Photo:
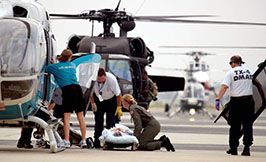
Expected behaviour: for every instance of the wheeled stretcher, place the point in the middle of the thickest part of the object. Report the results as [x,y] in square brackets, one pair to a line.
[119,136]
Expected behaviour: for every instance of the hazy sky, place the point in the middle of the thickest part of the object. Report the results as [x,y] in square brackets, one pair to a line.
[158,34]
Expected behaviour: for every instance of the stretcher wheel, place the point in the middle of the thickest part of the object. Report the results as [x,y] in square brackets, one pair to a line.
[104,146]
[134,147]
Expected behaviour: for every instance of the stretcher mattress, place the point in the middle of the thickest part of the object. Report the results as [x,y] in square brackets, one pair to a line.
[119,134]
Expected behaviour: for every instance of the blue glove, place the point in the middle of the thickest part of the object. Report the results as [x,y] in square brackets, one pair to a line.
[217,104]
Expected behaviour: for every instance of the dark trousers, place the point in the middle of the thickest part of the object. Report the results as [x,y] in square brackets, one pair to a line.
[108,107]
[25,137]
[241,113]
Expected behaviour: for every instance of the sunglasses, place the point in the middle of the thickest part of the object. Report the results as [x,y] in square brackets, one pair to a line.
[230,63]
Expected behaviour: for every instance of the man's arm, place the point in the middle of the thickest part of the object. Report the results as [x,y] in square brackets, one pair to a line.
[118,99]
[222,91]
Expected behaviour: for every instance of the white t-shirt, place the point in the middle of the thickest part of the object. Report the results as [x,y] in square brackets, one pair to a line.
[239,80]
[108,89]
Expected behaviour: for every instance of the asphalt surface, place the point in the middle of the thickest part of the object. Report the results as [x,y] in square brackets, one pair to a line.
[195,138]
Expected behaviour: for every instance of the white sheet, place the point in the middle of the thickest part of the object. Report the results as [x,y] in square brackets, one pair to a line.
[120,134]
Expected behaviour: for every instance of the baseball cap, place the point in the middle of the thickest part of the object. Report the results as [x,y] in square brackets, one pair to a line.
[236,59]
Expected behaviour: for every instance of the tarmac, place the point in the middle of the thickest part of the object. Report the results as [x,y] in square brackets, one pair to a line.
[75,154]
[10,153]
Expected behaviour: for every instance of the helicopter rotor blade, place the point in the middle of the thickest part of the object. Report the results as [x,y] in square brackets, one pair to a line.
[65,15]
[221,47]
[167,20]
[143,18]
[188,53]
[92,15]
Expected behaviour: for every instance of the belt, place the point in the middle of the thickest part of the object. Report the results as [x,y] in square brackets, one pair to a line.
[241,97]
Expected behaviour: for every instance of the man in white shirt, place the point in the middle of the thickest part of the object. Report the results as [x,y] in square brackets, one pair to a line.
[241,112]
[106,99]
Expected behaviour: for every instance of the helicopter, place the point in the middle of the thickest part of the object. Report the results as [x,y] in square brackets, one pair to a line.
[124,57]
[197,88]
[127,57]
[196,93]
[27,45]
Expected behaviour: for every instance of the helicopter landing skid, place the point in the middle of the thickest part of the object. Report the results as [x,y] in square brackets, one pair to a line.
[56,142]
[177,110]
[212,116]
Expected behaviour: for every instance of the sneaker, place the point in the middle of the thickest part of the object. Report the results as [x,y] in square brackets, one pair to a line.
[83,144]
[67,144]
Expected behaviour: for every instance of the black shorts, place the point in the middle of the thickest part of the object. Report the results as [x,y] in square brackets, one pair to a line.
[73,98]
[58,111]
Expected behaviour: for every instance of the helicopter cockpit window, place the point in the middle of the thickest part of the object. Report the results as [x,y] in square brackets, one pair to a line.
[15,89]
[22,48]
[120,68]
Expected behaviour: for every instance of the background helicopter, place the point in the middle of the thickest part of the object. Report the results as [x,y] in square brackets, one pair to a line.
[126,23]
[196,93]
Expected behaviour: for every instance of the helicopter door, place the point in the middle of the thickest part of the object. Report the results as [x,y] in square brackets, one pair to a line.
[87,70]
[137,71]
[259,75]
[48,80]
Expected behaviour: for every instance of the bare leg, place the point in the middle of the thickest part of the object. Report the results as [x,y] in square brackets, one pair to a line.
[82,124]
[67,125]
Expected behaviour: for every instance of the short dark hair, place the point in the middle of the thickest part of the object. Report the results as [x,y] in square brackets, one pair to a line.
[101,72]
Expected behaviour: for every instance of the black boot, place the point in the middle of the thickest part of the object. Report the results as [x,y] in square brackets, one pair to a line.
[97,143]
[246,151]
[163,137]
[167,144]
[232,151]
[20,144]
[24,145]
[28,146]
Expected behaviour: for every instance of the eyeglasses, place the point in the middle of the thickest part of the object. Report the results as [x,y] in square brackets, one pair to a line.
[230,63]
